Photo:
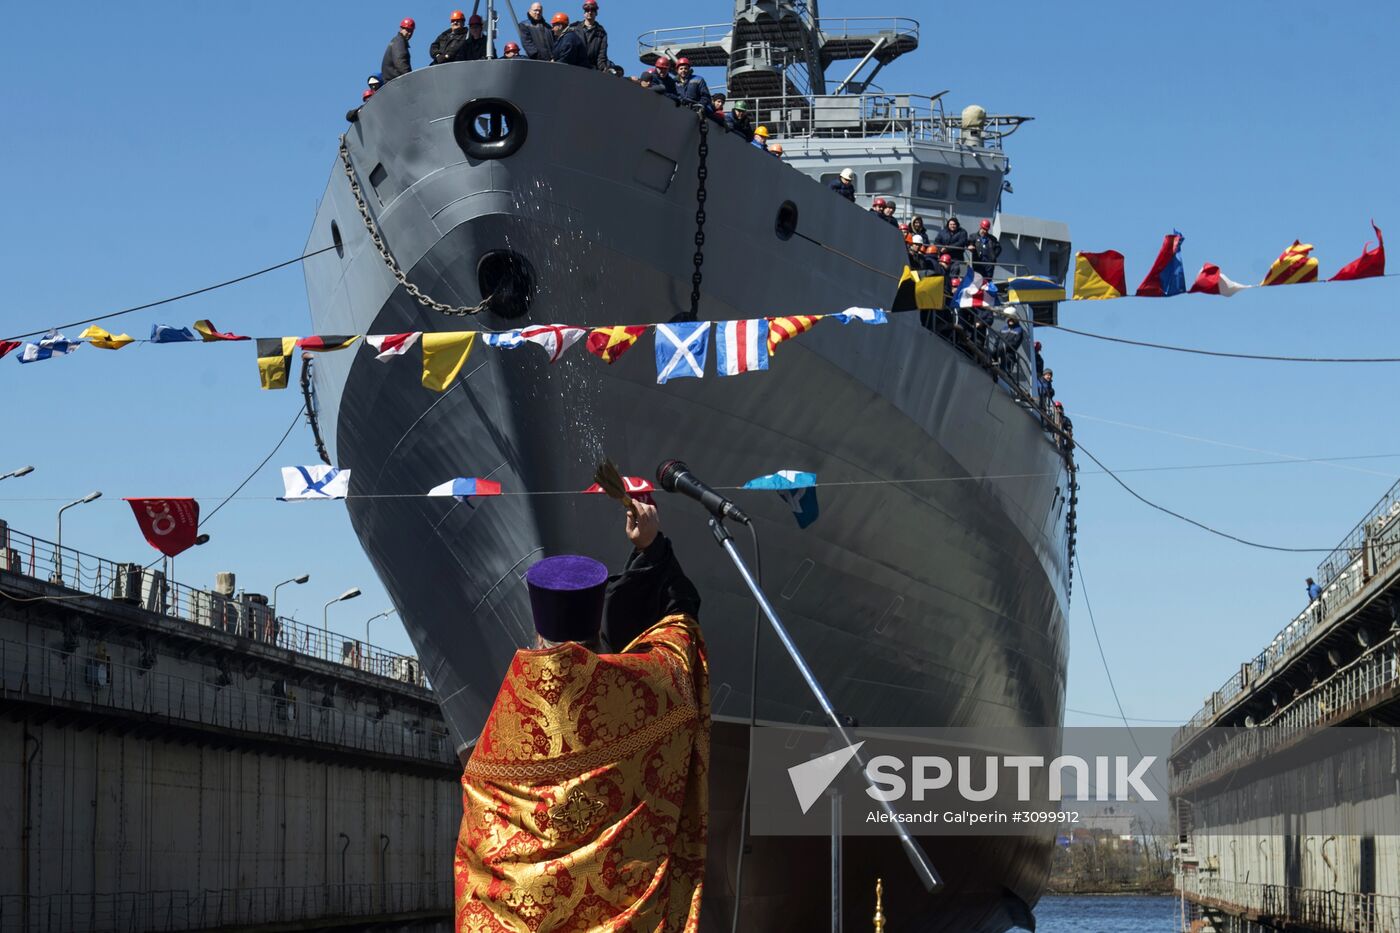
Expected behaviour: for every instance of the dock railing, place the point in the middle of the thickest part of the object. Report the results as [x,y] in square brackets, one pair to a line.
[1314,909]
[242,614]
[1366,550]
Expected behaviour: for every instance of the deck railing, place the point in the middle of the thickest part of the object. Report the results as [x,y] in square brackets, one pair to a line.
[243,615]
[162,911]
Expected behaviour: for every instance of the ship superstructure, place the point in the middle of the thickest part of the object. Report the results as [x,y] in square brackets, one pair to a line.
[939,602]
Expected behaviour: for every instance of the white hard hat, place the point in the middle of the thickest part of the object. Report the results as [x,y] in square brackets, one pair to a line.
[848,174]
[918,240]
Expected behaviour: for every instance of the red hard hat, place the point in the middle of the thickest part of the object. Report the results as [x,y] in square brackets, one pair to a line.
[560,19]
[682,61]
[474,21]
[457,15]
[1059,404]
[662,63]
[985,225]
[946,257]
[590,5]
[408,24]
[512,47]
[367,94]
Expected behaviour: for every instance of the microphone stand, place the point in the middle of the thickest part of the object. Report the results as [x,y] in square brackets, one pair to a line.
[918,858]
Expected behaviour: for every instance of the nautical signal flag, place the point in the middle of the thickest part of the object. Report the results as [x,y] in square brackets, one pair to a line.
[554,339]
[388,346]
[169,333]
[444,352]
[741,346]
[864,315]
[785,328]
[8,345]
[1294,265]
[974,291]
[211,334]
[1027,288]
[1369,264]
[1099,275]
[275,360]
[464,486]
[680,349]
[325,343]
[798,489]
[103,340]
[317,481]
[918,292]
[1166,277]
[171,526]
[50,345]
[609,343]
[638,487]
[1211,281]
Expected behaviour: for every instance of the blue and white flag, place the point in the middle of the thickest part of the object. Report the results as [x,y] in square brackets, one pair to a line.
[51,344]
[866,315]
[315,482]
[506,339]
[741,346]
[798,489]
[169,333]
[680,349]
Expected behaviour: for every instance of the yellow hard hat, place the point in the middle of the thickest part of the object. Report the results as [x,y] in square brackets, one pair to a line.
[761,131]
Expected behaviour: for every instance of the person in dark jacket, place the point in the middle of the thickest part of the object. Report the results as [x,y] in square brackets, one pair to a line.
[985,251]
[690,86]
[845,184]
[536,38]
[737,121]
[953,239]
[396,61]
[474,49]
[512,50]
[664,80]
[595,37]
[1009,357]
[568,45]
[916,228]
[447,47]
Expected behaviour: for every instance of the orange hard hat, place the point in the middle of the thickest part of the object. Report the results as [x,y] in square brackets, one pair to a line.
[560,19]
[777,148]
[458,16]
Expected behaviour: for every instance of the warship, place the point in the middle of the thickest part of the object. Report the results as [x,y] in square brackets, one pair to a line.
[933,588]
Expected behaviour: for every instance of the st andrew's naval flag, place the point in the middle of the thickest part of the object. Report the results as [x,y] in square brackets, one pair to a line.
[680,349]
[798,489]
[741,346]
[315,482]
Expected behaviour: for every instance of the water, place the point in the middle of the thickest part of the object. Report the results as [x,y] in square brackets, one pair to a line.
[1113,914]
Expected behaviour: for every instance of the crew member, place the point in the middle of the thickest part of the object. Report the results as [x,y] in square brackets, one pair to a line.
[396,61]
[663,81]
[953,239]
[916,226]
[447,47]
[511,50]
[595,37]
[737,120]
[776,150]
[568,45]
[536,38]
[692,88]
[354,114]
[760,138]
[986,249]
[474,49]
[845,184]
[717,106]
[585,798]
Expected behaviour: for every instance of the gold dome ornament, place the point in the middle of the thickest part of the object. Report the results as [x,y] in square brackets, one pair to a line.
[879,905]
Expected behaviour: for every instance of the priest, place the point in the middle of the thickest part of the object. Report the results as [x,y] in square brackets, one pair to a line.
[585,798]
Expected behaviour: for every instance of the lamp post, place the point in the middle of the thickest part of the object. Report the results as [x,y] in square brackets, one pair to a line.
[326,609]
[58,545]
[301,579]
[22,471]
[386,612]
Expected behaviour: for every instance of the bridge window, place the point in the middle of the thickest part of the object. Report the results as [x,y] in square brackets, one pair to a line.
[884,183]
[972,188]
[933,185]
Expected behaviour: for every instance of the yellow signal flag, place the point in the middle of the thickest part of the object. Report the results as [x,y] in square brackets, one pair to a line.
[789,326]
[443,357]
[104,340]
[929,294]
[1293,266]
[275,360]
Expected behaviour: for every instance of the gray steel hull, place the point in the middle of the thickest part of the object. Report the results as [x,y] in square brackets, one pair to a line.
[935,602]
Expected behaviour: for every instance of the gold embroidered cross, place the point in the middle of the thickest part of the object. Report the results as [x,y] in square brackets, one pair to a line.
[576,813]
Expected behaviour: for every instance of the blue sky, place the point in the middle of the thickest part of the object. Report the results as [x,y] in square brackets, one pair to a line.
[188,143]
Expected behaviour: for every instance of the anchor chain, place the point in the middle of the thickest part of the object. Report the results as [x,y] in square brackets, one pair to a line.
[378,240]
[702,172]
[308,394]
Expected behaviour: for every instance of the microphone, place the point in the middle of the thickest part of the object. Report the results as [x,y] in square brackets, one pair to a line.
[675,476]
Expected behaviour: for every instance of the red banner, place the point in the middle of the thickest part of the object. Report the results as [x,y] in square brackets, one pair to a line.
[170,525]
